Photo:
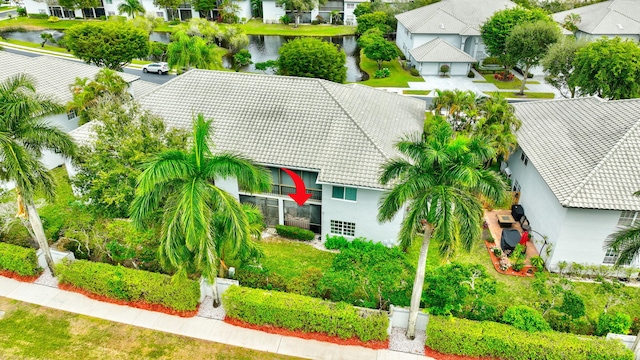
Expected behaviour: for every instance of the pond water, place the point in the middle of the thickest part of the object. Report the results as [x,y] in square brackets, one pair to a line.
[262,48]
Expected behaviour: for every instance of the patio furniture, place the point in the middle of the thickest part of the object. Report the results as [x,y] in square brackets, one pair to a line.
[517,211]
[510,238]
[506,220]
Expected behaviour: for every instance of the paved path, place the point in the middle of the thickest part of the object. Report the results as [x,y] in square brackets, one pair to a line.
[196,327]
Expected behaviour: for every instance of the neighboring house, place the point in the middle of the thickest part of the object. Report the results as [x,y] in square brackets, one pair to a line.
[272,12]
[336,137]
[446,33]
[53,76]
[576,169]
[609,18]
[184,11]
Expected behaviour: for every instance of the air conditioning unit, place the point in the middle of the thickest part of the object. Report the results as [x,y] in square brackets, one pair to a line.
[507,172]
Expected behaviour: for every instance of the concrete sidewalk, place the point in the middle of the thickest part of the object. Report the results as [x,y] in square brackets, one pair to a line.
[196,327]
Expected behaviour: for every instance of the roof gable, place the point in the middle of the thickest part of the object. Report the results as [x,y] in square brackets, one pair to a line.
[617,17]
[438,50]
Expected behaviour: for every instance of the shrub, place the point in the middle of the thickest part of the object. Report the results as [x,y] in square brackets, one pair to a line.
[297,312]
[558,321]
[491,60]
[103,17]
[381,74]
[174,22]
[471,74]
[490,339]
[21,11]
[525,318]
[53,19]
[20,260]
[518,264]
[582,326]
[293,232]
[121,283]
[572,305]
[38,16]
[336,242]
[286,20]
[444,69]
[618,323]
[260,278]
[414,72]
[447,288]
[635,326]
[537,262]
[307,283]
[315,22]
[497,252]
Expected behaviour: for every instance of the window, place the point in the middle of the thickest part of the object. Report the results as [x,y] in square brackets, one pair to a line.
[610,257]
[343,228]
[160,14]
[42,11]
[278,4]
[71,115]
[112,13]
[524,158]
[346,193]
[350,5]
[628,218]
[516,186]
[108,1]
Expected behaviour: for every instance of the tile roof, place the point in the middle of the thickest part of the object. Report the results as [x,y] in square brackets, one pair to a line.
[617,17]
[141,88]
[587,150]
[344,131]
[438,50]
[52,75]
[462,17]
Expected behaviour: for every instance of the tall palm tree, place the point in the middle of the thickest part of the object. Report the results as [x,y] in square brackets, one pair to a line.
[131,8]
[87,93]
[459,107]
[245,248]
[498,124]
[626,242]
[24,135]
[438,180]
[181,185]
[192,51]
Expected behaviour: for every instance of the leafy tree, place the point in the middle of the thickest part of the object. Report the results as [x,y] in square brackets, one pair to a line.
[496,30]
[228,11]
[25,135]
[380,50]
[438,181]
[311,57]
[131,8]
[148,22]
[205,5]
[79,4]
[158,51]
[527,44]
[626,242]
[377,19]
[47,37]
[558,64]
[107,44]
[180,184]
[498,123]
[242,58]
[525,318]
[107,174]
[86,93]
[572,305]
[619,323]
[452,286]
[167,4]
[256,8]
[609,68]
[233,38]
[192,51]
[267,65]
[297,7]
[571,22]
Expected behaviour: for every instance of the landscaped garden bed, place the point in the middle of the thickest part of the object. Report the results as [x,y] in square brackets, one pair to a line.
[19,263]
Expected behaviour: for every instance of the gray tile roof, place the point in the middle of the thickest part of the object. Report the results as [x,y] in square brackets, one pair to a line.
[52,75]
[462,17]
[141,88]
[587,150]
[617,17]
[438,50]
[84,134]
[344,131]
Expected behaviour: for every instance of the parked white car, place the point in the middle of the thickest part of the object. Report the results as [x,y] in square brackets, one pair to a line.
[158,68]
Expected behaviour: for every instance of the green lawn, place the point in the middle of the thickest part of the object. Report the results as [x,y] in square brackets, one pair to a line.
[39,24]
[528,95]
[416,92]
[7,8]
[34,332]
[505,85]
[36,46]
[399,76]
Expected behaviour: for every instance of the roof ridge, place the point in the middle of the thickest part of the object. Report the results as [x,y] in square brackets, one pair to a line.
[366,134]
[621,13]
[602,161]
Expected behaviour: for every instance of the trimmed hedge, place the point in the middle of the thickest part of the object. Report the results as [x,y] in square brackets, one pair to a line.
[122,283]
[298,312]
[490,339]
[293,232]
[20,260]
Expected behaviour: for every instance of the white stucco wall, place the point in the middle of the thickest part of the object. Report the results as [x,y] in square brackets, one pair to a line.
[245,9]
[541,206]
[363,212]
[229,185]
[270,12]
[453,39]
[404,40]
[49,158]
[34,7]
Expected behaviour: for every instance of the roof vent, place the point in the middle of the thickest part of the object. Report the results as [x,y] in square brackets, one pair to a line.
[441,26]
[619,26]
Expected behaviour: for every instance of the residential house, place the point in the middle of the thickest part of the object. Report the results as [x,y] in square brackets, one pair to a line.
[183,12]
[52,77]
[576,168]
[446,33]
[609,18]
[272,11]
[335,137]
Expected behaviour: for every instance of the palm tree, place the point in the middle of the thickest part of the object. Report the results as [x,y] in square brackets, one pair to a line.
[192,51]
[245,248]
[87,93]
[458,105]
[181,185]
[498,124]
[24,135]
[626,242]
[131,8]
[438,180]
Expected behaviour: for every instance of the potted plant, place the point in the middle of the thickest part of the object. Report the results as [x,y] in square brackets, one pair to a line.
[497,252]
[444,69]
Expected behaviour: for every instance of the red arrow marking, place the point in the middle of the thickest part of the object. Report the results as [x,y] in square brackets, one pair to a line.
[300,196]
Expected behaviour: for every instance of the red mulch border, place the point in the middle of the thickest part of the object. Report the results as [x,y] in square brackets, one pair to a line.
[15,276]
[136,304]
[496,264]
[440,356]
[376,345]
